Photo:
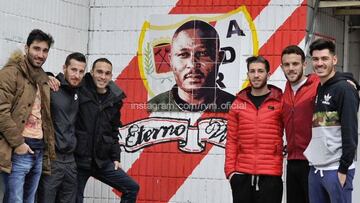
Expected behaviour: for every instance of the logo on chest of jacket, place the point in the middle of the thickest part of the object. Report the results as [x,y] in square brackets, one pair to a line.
[76,97]
[326,100]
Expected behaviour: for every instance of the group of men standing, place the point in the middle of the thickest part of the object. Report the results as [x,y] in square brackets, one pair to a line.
[56,139]
[319,114]
[71,131]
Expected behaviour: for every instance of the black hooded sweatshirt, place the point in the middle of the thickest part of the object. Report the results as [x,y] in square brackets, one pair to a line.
[64,108]
[337,104]
[97,124]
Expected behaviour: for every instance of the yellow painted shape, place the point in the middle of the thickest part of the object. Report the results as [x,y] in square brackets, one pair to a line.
[147,26]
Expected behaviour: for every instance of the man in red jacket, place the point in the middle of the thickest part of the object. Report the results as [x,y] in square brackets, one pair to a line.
[298,106]
[253,152]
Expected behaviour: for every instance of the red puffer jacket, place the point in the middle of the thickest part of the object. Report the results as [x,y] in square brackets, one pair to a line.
[254,136]
[297,114]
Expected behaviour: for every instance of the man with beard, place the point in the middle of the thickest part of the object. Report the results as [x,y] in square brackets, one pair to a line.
[26,130]
[61,185]
[253,151]
[194,59]
[298,106]
[97,152]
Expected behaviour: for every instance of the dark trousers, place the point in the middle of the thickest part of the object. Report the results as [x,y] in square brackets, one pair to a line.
[117,179]
[325,187]
[2,187]
[297,181]
[256,189]
[60,186]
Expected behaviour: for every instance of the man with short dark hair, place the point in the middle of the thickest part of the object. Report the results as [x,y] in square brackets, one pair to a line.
[298,106]
[332,148]
[253,151]
[26,130]
[98,152]
[61,185]
[195,58]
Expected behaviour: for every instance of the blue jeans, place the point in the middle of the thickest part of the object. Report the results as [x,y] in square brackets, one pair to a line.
[21,184]
[327,188]
[117,179]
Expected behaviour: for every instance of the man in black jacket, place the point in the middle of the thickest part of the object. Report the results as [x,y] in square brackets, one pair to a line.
[61,185]
[98,152]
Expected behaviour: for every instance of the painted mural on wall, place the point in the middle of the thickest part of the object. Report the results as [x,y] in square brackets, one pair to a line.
[186,74]
[189,66]
[186,68]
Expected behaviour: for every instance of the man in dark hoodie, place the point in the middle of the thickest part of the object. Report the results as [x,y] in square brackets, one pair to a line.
[61,185]
[332,148]
[98,152]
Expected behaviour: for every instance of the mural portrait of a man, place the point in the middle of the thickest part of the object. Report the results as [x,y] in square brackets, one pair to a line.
[194,57]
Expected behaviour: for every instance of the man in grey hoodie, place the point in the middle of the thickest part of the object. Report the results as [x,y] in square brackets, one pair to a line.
[331,151]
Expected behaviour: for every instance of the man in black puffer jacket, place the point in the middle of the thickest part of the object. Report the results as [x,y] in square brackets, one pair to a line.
[98,153]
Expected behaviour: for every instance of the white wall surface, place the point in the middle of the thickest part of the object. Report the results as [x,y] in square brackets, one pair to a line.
[67,21]
[115,27]
[354,52]
[354,67]
[110,28]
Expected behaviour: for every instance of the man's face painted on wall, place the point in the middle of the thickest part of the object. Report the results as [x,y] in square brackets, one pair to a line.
[194,60]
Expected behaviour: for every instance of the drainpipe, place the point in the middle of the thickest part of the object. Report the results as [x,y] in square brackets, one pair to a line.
[89,35]
[346,45]
[310,35]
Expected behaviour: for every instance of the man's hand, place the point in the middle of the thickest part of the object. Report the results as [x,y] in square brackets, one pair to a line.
[117,165]
[342,178]
[54,83]
[23,149]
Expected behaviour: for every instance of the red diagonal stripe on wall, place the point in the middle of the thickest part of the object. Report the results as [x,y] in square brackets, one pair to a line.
[291,32]
[132,84]
[162,169]
[218,6]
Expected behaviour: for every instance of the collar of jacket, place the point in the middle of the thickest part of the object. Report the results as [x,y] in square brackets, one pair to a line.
[275,93]
[34,75]
[37,75]
[311,79]
[65,84]
[112,87]
[339,76]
